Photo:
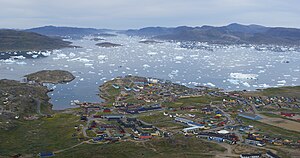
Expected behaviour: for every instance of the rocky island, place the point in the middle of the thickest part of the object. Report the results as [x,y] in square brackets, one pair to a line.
[97,39]
[108,44]
[51,76]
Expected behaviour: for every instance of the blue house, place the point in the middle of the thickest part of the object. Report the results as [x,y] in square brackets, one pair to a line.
[127,88]
[116,86]
[46,154]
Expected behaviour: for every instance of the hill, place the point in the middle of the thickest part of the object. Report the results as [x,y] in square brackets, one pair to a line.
[65,31]
[51,76]
[22,99]
[12,40]
[230,34]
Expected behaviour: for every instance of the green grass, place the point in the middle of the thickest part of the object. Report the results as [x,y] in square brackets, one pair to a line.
[281,91]
[276,116]
[46,134]
[159,120]
[12,40]
[177,147]
[90,133]
[271,115]
[192,100]
[272,130]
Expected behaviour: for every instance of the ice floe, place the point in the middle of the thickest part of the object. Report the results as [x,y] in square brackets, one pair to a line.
[243,76]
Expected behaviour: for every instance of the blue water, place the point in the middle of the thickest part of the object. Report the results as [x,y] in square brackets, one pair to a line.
[93,65]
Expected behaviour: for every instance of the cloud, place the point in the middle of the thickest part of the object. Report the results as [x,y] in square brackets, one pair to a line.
[122,14]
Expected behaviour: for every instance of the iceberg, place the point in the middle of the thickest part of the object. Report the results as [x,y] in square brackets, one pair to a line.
[146,66]
[210,84]
[243,76]
[179,57]
[101,57]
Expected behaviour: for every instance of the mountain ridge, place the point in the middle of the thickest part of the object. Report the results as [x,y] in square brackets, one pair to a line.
[230,34]
[51,30]
[14,40]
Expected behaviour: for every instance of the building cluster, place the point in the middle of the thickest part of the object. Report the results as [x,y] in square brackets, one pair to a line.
[268,154]
[220,137]
[141,91]
[262,140]
[114,127]
[133,109]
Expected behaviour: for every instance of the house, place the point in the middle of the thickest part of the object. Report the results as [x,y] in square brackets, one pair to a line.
[116,86]
[269,154]
[46,154]
[183,120]
[250,155]
[192,129]
[106,110]
[156,133]
[113,117]
[228,138]
[126,124]
[153,80]
[249,116]
[136,89]
[129,119]
[193,124]
[140,83]
[150,108]
[127,88]
[83,118]
[190,108]
[286,114]
[140,87]
[253,141]
[97,139]
[145,136]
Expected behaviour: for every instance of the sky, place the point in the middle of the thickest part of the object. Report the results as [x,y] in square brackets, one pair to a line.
[125,14]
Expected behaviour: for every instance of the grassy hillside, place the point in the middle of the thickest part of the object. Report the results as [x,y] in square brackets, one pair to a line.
[12,40]
[280,91]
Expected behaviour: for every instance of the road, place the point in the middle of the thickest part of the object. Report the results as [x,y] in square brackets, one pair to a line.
[230,121]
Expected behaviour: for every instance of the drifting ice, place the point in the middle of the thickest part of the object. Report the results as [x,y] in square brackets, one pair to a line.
[243,76]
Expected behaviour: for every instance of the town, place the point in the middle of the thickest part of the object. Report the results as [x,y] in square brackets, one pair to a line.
[140,109]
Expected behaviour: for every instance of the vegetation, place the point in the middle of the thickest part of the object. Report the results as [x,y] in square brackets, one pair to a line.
[281,91]
[12,40]
[46,134]
[272,130]
[192,100]
[51,76]
[177,146]
[230,34]
[22,98]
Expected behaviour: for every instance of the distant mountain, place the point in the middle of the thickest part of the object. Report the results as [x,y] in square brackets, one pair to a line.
[12,40]
[230,34]
[150,31]
[66,31]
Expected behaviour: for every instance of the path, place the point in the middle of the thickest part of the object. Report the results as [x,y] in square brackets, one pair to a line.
[38,105]
[62,150]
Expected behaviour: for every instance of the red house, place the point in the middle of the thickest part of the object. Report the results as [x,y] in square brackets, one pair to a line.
[286,114]
[145,136]
[106,110]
